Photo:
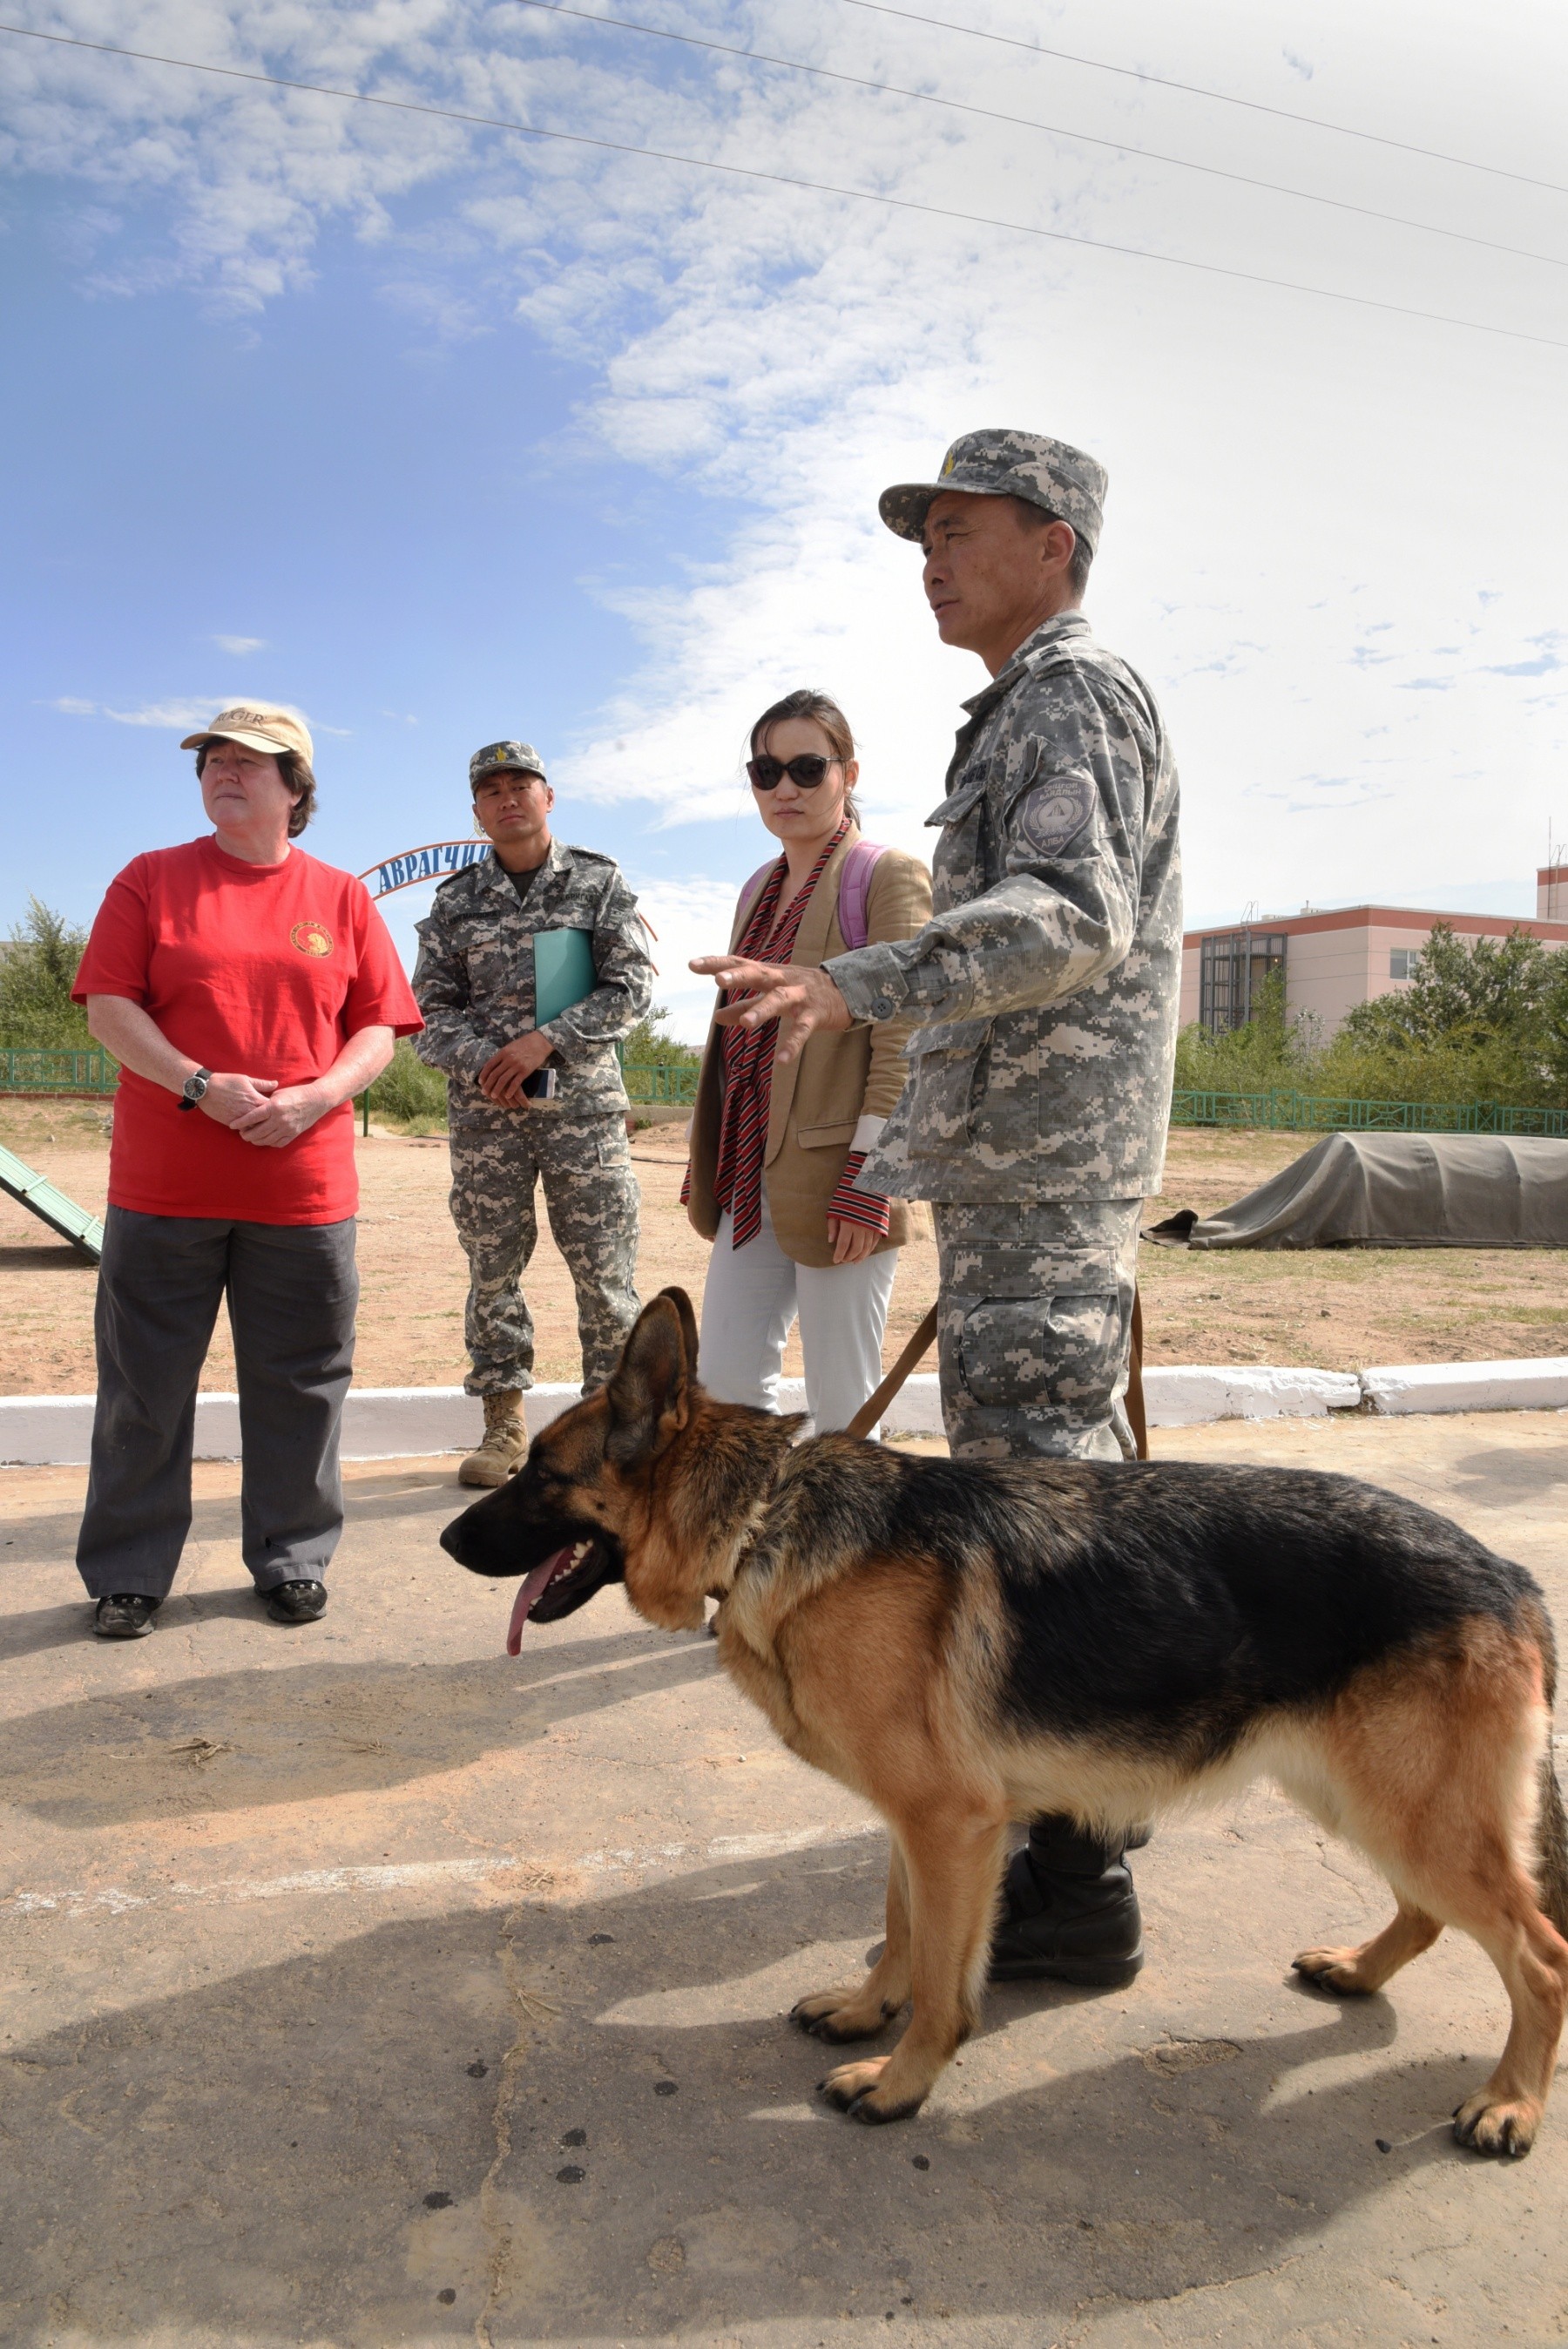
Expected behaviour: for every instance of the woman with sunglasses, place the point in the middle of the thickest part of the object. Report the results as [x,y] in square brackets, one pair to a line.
[775,1151]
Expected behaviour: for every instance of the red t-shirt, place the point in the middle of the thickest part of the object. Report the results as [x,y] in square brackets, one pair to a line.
[264,971]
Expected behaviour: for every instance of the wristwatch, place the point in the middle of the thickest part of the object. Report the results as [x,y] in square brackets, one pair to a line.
[195,1087]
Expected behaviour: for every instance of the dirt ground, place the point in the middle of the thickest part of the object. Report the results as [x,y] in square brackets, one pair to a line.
[1337,1309]
[507,1947]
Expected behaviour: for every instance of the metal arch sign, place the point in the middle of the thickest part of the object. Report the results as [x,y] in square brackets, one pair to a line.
[433,861]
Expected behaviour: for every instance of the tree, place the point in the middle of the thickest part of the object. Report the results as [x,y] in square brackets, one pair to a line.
[38,964]
[650,1044]
[1269,1050]
[1486,992]
[1553,1022]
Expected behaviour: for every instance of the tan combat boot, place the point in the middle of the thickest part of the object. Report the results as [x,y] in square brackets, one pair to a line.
[505,1440]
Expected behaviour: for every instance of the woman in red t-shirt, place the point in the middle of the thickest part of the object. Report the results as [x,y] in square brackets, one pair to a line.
[248,992]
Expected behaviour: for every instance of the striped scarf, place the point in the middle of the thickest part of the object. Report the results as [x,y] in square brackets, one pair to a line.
[749,1053]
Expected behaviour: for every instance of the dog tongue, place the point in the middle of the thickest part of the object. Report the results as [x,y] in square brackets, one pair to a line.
[532,1585]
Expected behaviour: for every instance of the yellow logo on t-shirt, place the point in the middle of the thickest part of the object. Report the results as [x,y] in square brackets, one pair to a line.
[310,938]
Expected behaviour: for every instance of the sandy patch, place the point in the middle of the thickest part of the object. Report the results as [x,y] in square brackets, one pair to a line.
[1341,1309]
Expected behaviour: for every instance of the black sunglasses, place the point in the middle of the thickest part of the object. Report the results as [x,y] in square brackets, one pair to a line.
[807,771]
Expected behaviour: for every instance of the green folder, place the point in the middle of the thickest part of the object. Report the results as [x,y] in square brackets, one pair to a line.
[563,972]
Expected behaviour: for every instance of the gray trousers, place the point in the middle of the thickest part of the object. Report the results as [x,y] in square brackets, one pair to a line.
[1034,1326]
[292,1290]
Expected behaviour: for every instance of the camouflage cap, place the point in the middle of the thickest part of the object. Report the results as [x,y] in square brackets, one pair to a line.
[1062,479]
[505,758]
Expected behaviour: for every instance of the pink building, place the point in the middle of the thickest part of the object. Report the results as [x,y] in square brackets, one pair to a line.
[1332,961]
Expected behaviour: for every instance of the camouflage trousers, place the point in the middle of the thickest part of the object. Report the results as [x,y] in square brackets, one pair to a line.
[1034,1324]
[592,1198]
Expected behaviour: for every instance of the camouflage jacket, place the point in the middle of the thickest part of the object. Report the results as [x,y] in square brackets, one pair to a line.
[1046,983]
[474,981]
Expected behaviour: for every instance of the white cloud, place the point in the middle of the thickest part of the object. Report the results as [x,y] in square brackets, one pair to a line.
[240,645]
[73,707]
[1313,509]
[178,717]
[689,918]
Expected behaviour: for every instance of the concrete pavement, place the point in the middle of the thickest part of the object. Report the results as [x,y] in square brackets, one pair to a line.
[366,1986]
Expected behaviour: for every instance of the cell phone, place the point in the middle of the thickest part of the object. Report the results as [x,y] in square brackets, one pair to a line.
[543,1085]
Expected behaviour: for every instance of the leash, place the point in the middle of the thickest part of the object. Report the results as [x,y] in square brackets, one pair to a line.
[1132,1401]
[866,1418]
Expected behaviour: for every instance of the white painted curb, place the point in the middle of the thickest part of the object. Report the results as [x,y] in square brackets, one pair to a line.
[378,1423]
[1188,1394]
[404,1422]
[1540,1385]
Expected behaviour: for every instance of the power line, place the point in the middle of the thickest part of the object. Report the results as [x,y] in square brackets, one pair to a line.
[785,180]
[1027,122]
[1196,89]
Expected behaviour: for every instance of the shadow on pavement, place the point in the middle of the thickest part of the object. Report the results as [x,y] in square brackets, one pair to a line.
[1500,1478]
[302,2149]
[50,1539]
[313,1729]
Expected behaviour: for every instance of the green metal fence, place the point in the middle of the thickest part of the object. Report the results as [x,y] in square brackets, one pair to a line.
[672,1084]
[1292,1113]
[675,1084]
[58,1071]
[1275,1112]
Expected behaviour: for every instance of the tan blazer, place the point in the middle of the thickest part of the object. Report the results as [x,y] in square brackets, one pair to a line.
[818,1100]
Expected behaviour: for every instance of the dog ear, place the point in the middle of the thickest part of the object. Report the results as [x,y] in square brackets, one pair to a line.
[648,1390]
[683,1305]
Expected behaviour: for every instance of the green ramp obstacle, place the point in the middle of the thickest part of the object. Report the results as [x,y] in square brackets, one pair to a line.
[51,1206]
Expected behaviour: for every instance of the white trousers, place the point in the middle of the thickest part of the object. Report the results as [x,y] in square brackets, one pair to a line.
[749,1307]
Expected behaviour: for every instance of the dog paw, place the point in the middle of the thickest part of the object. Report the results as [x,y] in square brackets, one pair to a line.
[1501,2128]
[1331,1970]
[849,2081]
[862,2091]
[838,2015]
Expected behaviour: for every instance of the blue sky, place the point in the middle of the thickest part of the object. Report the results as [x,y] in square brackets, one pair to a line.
[439,434]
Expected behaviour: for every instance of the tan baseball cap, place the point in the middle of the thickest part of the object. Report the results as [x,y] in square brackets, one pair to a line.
[260,726]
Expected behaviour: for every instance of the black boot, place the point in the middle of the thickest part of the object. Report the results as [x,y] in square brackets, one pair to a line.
[1068,1911]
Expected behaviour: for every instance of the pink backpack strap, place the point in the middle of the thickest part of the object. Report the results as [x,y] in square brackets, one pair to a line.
[854,888]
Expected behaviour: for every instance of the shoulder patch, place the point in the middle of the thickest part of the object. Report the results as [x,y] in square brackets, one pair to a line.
[1048,818]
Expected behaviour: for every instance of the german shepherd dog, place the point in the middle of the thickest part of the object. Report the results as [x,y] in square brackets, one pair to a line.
[966,1644]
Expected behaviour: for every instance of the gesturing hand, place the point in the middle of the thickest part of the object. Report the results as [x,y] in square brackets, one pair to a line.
[802,999]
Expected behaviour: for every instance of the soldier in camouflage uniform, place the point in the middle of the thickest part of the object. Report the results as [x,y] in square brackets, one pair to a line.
[474,983]
[1046,987]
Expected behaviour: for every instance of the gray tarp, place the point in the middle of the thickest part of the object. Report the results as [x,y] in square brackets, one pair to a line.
[1397,1190]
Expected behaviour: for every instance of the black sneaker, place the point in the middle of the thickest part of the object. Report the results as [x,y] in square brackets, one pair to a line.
[1083,1929]
[126,1615]
[295,1602]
